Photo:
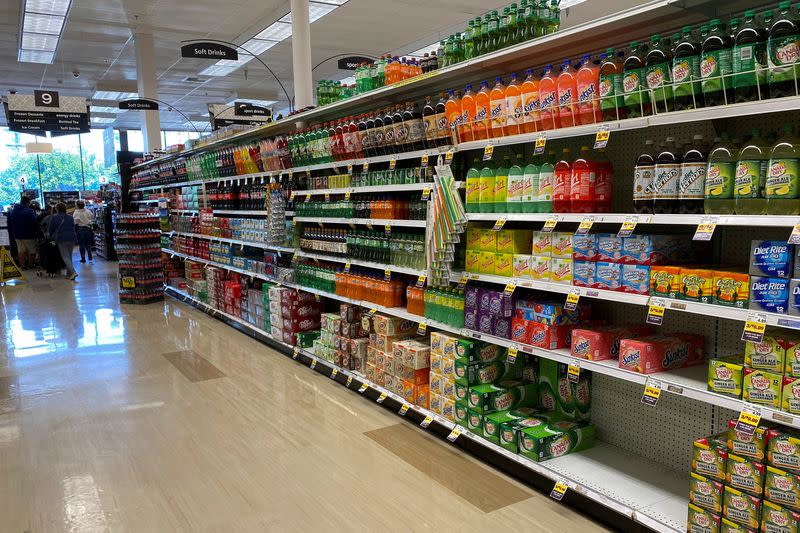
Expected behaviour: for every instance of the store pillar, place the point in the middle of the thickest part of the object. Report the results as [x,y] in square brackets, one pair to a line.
[148,88]
[301,54]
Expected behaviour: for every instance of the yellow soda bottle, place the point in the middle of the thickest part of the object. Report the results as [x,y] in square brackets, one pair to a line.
[751,176]
[486,189]
[473,188]
[720,177]
[501,186]
[782,190]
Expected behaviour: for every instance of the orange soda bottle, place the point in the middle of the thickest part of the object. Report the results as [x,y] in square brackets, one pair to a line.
[530,103]
[452,108]
[567,96]
[513,106]
[467,119]
[548,116]
[497,102]
[480,126]
[588,81]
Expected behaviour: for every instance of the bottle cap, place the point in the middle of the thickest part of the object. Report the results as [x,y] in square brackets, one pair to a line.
[749,13]
[655,38]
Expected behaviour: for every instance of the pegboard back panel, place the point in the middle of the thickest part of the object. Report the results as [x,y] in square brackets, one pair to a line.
[663,433]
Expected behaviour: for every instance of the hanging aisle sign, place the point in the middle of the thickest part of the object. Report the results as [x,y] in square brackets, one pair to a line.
[140,104]
[246,109]
[352,62]
[209,51]
[47,111]
[226,115]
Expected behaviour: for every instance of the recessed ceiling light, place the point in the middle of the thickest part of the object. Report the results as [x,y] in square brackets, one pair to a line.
[101,120]
[38,41]
[113,95]
[33,56]
[277,31]
[257,46]
[105,109]
[47,7]
[49,24]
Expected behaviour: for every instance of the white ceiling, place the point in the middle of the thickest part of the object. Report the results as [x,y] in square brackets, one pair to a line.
[98,43]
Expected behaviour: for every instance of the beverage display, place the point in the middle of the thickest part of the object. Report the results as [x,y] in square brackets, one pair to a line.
[643,172]
[562,181]
[720,177]
[783,50]
[548,100]
[750,60]
[588,86]
[693,177]
[582,195]
[716,66]
[567,96]
[666,179]
[636,99]
[658,74]
[686,71]
[751,176]
[782,188]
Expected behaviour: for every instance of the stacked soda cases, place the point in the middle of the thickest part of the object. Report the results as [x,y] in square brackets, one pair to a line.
[277,227]
[398,359]
[292,312]
[745,482]
[343,340]
[138,244]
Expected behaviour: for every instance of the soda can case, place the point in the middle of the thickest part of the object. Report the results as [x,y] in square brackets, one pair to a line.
[771,259]
[502,396]
[783,450]
[609,248]
[745,474]
[557,394]
[584,247]
[725,376]
[661,352]
[782,487]
[547,441]
[705,493]
[775,517]
[741,507]
[709,457]
[702,520]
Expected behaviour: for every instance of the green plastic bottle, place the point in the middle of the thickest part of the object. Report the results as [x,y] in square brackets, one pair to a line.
[544,195]
[749,61]
[716,66]
[636,98]
[782,188]
[515,187]
[751,176]
[530,188]
[657,73]
[473,188]
[720,178]
[783,46]
[501,186]
[486,188]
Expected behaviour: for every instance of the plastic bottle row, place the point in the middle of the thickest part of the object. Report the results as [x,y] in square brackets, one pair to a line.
[399,249]
[367,206]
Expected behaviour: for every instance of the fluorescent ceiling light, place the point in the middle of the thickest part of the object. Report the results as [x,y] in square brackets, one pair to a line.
[218,70]
[47,7]
[316,10]
[113,95]
[101,120]
[199,126]
[105,109]
[49,24]
[33,56]
[258,47]
[38,41]
[262,103]
[277,31]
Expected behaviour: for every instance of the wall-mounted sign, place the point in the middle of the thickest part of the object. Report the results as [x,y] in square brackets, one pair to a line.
[140,104]
[69,115]
[245,109]
[209,51]
[352,62]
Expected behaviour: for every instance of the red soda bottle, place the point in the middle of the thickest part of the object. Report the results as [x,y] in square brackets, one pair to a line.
[582,188]
[562,182]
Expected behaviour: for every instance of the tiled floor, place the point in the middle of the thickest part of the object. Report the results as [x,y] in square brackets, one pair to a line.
[160,418]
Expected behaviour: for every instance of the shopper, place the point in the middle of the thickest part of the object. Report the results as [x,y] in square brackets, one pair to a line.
[43,220]
[62,230]
[22,221]
[83,229]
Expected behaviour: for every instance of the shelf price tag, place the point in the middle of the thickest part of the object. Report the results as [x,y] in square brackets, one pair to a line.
[426,421]
[387,228]
[705,230]
[363,387]
[347,195]
[128,282]
[291,196]
[422,328]
[559,490]
[387,274]
[509,289]
[381,397]
[499,223]
[349,381]
[627,228]
[794,238]
[392,164]
[585,225]
[308,197]
[373,311]
[403,410]
[366,166]
[462,282]
[350,168]
[454,434]
[421,281]
[748,421]
[652,392]
[448,156]
[327,197]
[539,144]
[424,161]
[572,300]
[549,225]
[334,372]
[295,352]
[313,364]
[601,138]
[426,194]
[512,354]
[574,372]
[488,151]
[347,267]
[655,311]
[754,327]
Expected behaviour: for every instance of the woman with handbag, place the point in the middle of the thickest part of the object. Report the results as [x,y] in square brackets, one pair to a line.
[84,220]
[62,230]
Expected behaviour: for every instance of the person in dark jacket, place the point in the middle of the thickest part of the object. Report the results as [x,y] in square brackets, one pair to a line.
[62,230]
[22,220]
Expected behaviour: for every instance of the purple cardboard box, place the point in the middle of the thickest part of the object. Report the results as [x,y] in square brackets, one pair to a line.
[484,297]
[485,322]
[471,297]
[502,328]
[471,319]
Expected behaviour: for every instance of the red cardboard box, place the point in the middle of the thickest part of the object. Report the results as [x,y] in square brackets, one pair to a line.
[661,352]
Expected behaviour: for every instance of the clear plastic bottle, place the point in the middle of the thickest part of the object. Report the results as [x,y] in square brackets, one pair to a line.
[751,176]
[562,183]
[486,188]
[783,177]
[544,195]
[783,50]
[716,66]
[693,177]
[530,187]
[657,74]
[686,90]
[720,178]
[501,186]
[473,187]
[750,61]
[635,98]
[515,187]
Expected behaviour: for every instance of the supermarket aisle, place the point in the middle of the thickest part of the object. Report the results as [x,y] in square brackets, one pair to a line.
[160,418]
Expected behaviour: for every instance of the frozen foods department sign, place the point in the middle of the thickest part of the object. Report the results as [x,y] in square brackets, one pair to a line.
[47,111]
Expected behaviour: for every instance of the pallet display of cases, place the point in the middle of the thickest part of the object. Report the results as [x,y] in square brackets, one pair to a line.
[104,216]
[138,244]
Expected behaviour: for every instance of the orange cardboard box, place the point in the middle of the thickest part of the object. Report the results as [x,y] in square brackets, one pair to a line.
[697,285]
[731,289]
[665,281]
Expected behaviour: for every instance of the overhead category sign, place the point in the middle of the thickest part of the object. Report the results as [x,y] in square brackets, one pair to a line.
[141,104]
[249,115]
[209,51]
[352,62]
[47,111]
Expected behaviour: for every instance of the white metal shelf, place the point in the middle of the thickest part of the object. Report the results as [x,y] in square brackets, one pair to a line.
[148,201]
[619,218]
[239,212]
[262,245]
[720,311]
[367,189]
[364,221]
[626,483]
[357,262]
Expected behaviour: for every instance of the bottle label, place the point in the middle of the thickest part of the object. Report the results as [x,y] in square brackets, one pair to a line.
[714,67]
[388,135]
[401,133]
[500,191]
[610,91]
[748,65]
[750,179]
[720,180]
[692,181]
[528,191]
[545,191]
[441,126]
[516,186]
[782,178]
[561,185]
[473,190]
[665,182]
[431,130]
[379,136]
[632,87]
[514,107]
[530,107]
[782,53]
[658,81]
[548,101]
[583,185]
[498,113]
[416,130]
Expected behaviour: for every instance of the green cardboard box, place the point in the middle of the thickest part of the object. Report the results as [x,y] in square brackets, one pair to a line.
[726,526]
[783,450]
[742,508]
[782,487]
[706,493]
[510,430]
[461,391]
[702,521]
[725,376]
[557,393]
[473,350]
[709,457]
[745,474]
[493,423]
[762,387]
[475,421]
[480,373]
[547,441]
[765,355]
[461,413]
[505,395]
[775,518]
[753,446]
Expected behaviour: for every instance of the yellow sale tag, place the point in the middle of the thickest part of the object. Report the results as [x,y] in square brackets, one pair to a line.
[748,421]
[381,397]
[291,196]
[794,238]
[347,266]
[421,280]
[426,421]
[350,168]
[601,139]
[424,160]
[347,195]
[585,225]
[549,224]
[372,311]
[426,193]
[296,352]
[512,354]
[349,381]
[363,387]
[308,197]
[327,197]
[573,372]
[422,328]
[572,300]
[488,151]
[652,392]
[509,289]
[462,281]
[559,490]
[754,327]
[499,223]
[128,282]
[366,166]
[313,364]
[454,434]
[387,274]
[387,228]
[539,144]
[626,230]
[404,409]
[448,157]
[392,164]
[334,372]
[705,230]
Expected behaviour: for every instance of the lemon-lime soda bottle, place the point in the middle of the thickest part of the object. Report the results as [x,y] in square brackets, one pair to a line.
[473,188]
[751,175]
[544,197]
[516,187]
[486,188]
[720,178]
[782,188]
[501,186]
[530,191]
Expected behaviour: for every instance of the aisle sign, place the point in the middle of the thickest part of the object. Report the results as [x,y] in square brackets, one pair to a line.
[754,327]
[652,392]
[204,50]
[381,397]
[748,421]
[139,104]
[488,151]
[705,230]
[655,311]
[539,144]
[574,372]
[585,225]
[549,224]
[499,223]
[601,138]
[426,421]
[628,226]
[794,238]
[572,300]
[559,490]
[46,111]
[45,98]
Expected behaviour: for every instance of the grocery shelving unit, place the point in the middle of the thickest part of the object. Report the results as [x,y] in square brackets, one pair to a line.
[641,478]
